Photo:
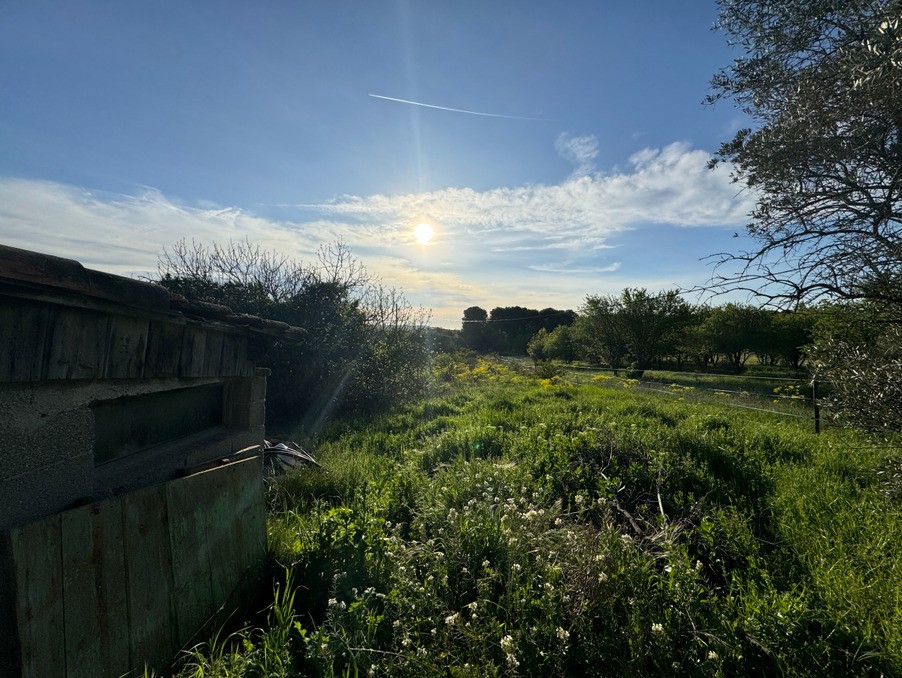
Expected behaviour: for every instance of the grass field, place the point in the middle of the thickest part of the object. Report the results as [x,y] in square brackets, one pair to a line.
[515,526]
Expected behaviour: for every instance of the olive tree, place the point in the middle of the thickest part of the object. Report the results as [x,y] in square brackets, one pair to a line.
[822,80]
[630,325]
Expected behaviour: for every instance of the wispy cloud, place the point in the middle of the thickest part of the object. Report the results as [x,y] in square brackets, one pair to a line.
[490,246]
[581,151]
[455,110]
[567,270]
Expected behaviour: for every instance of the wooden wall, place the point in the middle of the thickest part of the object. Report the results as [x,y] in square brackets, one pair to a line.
[102,589]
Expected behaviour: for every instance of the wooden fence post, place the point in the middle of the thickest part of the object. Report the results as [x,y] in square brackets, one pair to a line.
[817,408]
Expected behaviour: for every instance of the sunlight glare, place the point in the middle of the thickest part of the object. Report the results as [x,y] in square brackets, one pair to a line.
[423,233]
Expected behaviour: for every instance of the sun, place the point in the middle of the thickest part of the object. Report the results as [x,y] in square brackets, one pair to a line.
[423,233]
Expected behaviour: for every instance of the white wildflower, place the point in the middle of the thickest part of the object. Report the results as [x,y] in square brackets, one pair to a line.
[507,643]
[657,628]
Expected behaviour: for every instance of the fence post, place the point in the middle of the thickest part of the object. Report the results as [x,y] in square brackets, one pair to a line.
[817,408]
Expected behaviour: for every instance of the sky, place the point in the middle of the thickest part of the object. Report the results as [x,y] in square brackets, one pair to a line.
[557,150]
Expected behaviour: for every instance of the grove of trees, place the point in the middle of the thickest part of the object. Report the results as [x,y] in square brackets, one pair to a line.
[636,330]
[508,329]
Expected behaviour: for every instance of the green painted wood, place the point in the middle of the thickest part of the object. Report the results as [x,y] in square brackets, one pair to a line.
[151,614]
[37,555]
[188,499]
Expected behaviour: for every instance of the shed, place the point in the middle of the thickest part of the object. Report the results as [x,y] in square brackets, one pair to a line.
[131,424]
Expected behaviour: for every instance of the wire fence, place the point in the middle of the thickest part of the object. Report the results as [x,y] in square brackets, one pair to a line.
[728,397]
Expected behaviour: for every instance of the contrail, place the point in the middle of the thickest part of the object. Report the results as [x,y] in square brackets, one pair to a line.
[456,110]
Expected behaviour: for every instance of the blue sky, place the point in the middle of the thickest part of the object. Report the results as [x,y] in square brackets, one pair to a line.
[579,168]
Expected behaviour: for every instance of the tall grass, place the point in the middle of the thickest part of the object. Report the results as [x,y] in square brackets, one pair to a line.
[514,526]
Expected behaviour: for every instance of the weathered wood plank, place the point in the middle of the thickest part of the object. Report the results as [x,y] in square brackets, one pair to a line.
[127,347]
[96,619]
[234,348]
[188,500]
[213,354]
[225,558]
[250,513]
[164,349]
[151,615]
[23,332]
[76,345]
[37,556]
[191,360]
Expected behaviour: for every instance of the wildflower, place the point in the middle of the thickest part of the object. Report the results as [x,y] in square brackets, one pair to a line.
[657,628]
[507,643]
[712,655]
[452,619]
[512,661]
[562,633]
[516,567]
[473,606]
[406,641]
[485,563]
[332,602]
[602,577]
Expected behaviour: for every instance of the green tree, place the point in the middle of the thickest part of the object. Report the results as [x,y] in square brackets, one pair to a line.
[537,346]
[732,330]
[473,328]
[559,344]
[860,358]
[597,329]
[792,333]
[822,80]
[631,325]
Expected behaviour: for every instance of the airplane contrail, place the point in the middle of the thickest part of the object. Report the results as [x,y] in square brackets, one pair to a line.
[455,110]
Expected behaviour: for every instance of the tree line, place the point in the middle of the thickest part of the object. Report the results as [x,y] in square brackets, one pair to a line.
[637,330]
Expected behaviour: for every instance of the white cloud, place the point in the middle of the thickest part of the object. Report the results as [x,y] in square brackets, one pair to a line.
[581,151]
[486,247]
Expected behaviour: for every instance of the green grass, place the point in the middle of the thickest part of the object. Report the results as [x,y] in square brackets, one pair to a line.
[513,526]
